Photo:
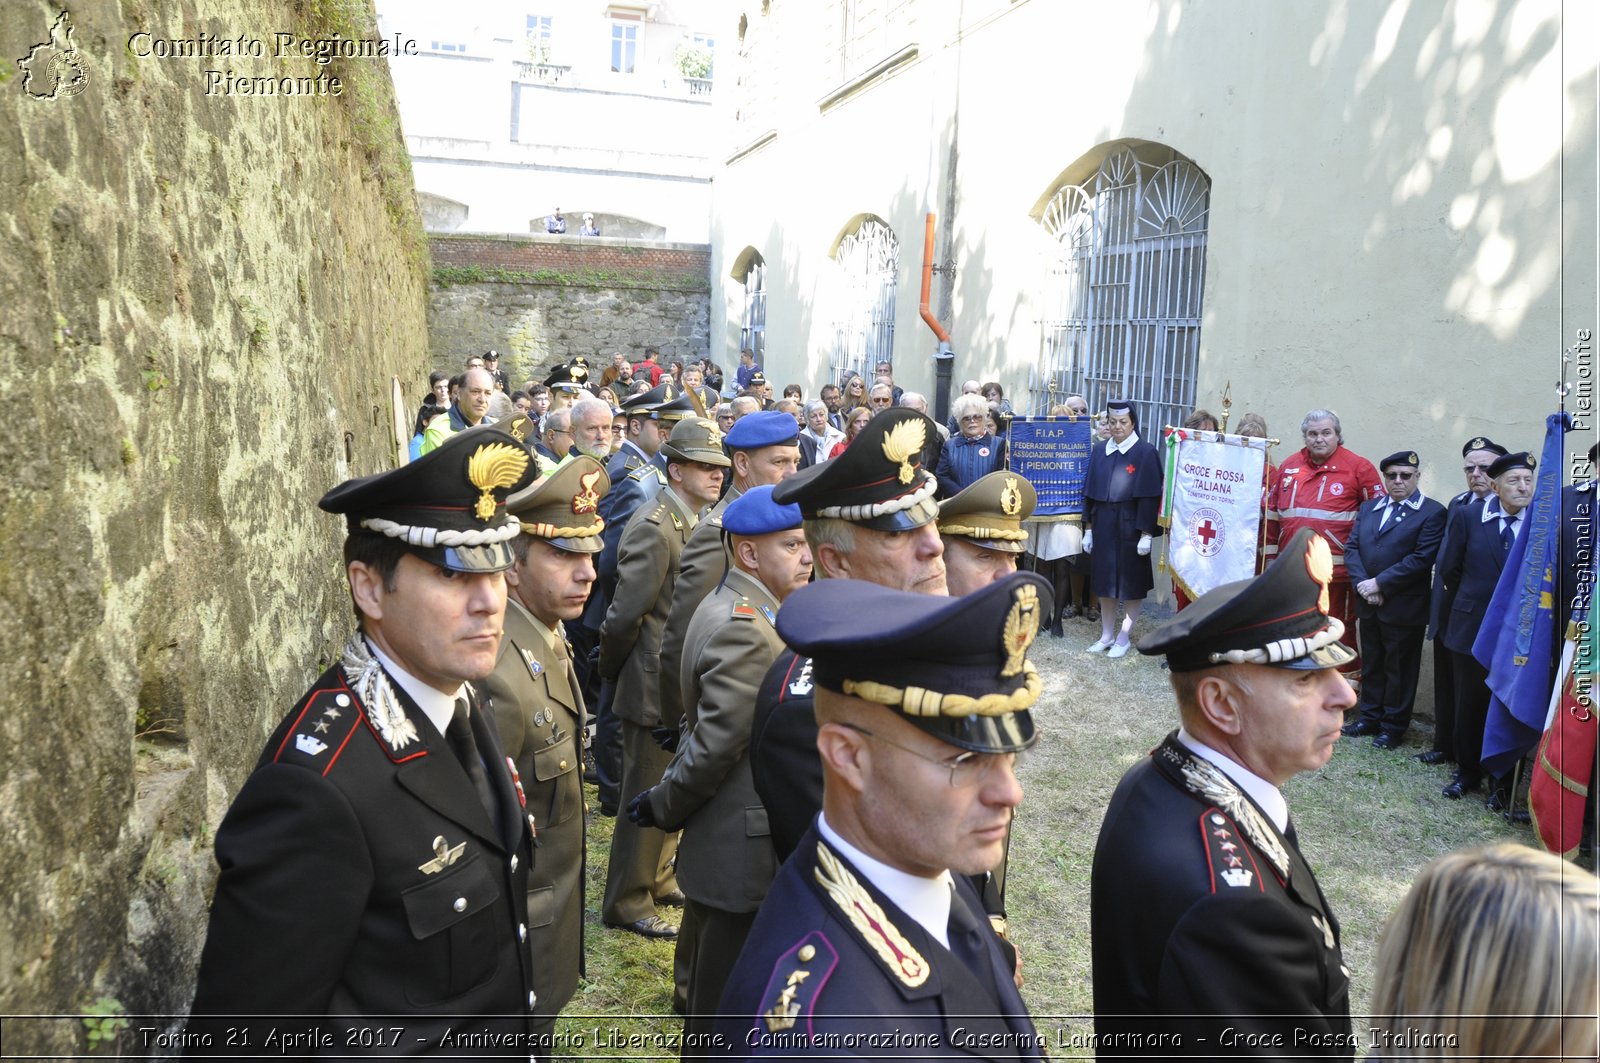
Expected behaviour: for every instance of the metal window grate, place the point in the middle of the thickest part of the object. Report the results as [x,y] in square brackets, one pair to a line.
[753,326]
[1123,295]
[868,266]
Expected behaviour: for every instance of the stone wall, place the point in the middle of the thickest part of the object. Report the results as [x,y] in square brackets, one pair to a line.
[541,300]
[207,298]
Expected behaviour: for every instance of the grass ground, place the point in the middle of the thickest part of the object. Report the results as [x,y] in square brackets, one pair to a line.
[1367,822]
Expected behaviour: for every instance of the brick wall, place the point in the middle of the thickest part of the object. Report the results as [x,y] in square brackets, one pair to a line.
[665,265]
[541,300]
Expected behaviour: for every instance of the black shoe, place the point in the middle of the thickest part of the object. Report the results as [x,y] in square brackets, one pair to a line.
[1056,630]
[672,900]
[1459,787]
[1387,741]
[1499,800]
[651,926]
[1436,756]
[1359,728]
[609,811]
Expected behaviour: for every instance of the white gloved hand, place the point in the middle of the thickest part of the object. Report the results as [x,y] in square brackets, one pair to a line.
[1088,542]
[1144,545]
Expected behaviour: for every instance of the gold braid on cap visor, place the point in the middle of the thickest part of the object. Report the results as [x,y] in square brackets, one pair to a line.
[551,531]
[1284,649]
[917,701]
[973,531]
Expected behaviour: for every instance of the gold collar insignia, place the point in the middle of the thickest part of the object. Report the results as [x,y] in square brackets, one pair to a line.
[869,919]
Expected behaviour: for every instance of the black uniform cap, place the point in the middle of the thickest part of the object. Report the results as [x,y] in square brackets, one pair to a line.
[878,482]
[1482,443]
[954,667]
[448,506]
[1506,462]
[1400,457]
[1278,618]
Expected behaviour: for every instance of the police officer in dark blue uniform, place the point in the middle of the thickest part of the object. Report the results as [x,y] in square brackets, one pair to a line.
[374,866]
[871,940]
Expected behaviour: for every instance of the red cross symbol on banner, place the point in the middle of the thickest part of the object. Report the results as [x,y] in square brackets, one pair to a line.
[1206,531]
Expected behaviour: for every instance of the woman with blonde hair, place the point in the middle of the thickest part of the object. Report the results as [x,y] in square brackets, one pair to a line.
[1492,955]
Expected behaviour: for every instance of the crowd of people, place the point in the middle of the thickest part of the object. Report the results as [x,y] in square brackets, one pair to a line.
[788,642]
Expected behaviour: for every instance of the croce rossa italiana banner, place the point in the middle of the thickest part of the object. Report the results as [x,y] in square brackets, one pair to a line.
[1211,506]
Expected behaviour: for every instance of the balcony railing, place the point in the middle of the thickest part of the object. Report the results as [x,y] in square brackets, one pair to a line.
[543,73]
[697,86]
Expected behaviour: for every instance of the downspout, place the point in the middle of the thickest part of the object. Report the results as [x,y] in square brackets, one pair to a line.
[943,357]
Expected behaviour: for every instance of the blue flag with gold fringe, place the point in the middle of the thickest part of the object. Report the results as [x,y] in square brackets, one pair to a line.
[1518,637]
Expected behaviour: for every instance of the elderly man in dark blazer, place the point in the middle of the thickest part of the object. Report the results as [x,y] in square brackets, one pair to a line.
[1476,544]
[1208,927]
[1389,557]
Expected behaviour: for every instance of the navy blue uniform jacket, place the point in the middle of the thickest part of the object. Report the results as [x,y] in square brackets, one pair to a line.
[813,980]
[1205,918]
[1400,558]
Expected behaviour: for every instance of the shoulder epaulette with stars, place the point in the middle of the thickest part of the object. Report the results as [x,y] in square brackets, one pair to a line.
[648,471]
[660,510]
[328,719]
[796,982]
[1232,865]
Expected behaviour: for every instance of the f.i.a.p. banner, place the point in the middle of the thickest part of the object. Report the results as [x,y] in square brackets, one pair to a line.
[1052,453]
[1211,504]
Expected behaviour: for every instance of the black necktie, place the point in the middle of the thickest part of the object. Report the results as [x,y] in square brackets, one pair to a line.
[465,747]
[968,945]
[1288,832]
[1507,536]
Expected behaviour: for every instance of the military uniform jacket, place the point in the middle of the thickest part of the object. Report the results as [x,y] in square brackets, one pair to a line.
[539,715]
[833,967]
[630,638]
[1469,566]
[725,856]
[784,765]
[362,876]
[1400,557]
[635,479]
[704,560]
[1439,605]
[1205,917]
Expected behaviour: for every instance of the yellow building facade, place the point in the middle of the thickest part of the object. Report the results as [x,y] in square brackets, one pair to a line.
[1380,207]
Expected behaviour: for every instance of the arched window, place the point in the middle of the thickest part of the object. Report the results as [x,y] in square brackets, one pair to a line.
[750,270]
[1126,278]
[867,257]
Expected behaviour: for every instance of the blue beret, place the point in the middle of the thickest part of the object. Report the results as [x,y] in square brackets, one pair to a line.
[771,428]
[755,513]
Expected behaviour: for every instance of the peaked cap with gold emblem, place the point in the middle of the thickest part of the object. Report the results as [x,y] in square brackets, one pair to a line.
[1279,618]
[990,511]
[955,667]
[695,439]
[878,482]
[448,506]
[574,376]
[564,507]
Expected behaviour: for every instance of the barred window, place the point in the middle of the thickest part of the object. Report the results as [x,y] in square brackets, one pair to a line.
[1124,288]
[867,266]
[753,323]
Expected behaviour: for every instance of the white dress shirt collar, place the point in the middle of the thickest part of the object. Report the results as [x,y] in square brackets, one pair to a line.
[437,706]
[1260,790]
[1123,447]
[925,900]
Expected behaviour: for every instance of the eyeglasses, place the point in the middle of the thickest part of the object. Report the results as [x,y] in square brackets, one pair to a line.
[1399,475]
[1470,469]
[975,417]
[966,768]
